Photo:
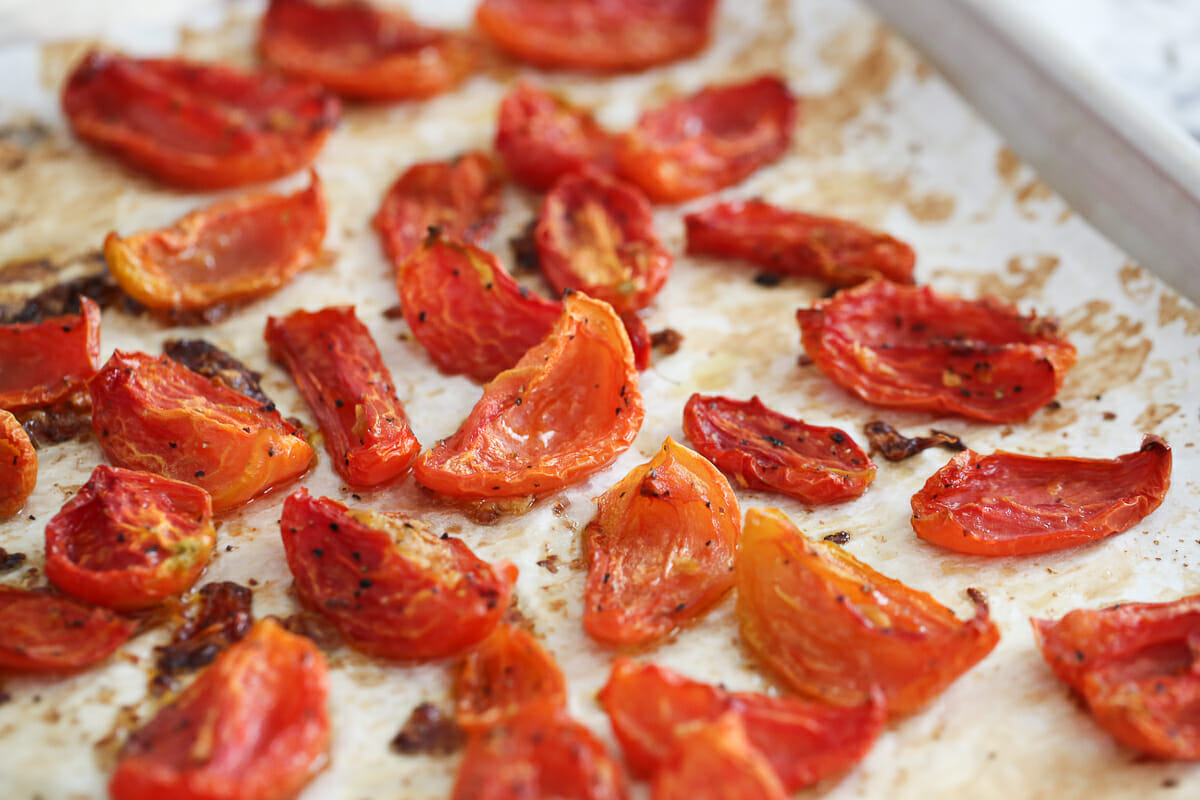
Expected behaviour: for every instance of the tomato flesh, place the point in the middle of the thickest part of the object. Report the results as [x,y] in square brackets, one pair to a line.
[43,632]
[715,761]
[48,361]
[542,137]
[18,465]
[509,672]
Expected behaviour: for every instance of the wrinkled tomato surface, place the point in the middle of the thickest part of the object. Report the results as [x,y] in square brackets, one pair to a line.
[763,449]
[913,348]
[48,361]
[44,632]
[542,137]
[335,363]
[788,242]
[660,548]
[1137,668]
[231,252]
[18,465]
[196,125]
[566,409]
[509,672]
[389,583]
[129,540]
[715,761]
[639,339]
[694,145]
[155,414]
[835,629]
[362,51]
[253,726]
[596,234]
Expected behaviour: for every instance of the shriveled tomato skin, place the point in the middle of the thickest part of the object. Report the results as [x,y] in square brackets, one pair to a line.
[765,450]
[200,126]
[835,629]
[715,761]
[18,465]
[1136,666]
[542,425]
[334,361]
[639,339]
[44,632]
[695,145]
[780,240]
[913,348]
[48,361]
[509,672]
[128,540]
[542,137]
[390,584]
[155,414]
[253,726]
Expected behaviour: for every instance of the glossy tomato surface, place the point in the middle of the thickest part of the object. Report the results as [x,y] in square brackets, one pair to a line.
[509,672]
[18,465]
[715,761]
[542,137]
[913,348]
[48,361]
[44,632]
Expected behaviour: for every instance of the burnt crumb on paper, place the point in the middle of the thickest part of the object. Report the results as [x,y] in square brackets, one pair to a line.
[205,358]
[215,617]
[668,340]
[70,418]
[895,446]
[839,538]
[10,561]
[429,730]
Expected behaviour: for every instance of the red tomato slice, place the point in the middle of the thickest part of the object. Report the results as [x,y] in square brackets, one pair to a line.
[715,761]
[660,548]
[509,672]
[43,632]
[1137,666]
[157,415]
[361,51]
[835,629]
[804,741]
[779,240]
[542,425]
[48,361]
[715,138]
[604,35]
[253,726]
[765,450]
[195,125]
[129,540]
[18,465]
[913,348]
[231,252]
[390,584]
[469,314]
[1009,504]
[596,234]
[542,137]
[460,197]
[639,340]
[339,370]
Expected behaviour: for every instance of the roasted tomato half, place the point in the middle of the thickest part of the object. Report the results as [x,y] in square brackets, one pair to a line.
[48,361]
[361,51]
[333,359]
[804,741]
[392,585]
[763,449]
[1137,666]
[715,761]
[202,126]
[129,540]
[695,145]
[913,348]
[835,629]
[510,671]
[660,548]
[596,234]
[789,242]
[460,197]
[231,252]
[1009,504]
[44,632]
[253,726]
[542,137]
[568,408]
[18,465]
[155,414]
[640,340]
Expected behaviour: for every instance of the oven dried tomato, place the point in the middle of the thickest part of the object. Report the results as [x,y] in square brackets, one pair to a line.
[1009,504]
[230,252]
[391,585]
[129,540]
[780,240]
[596,234]
[18,465]
[803,740]
[362,51]
[1136,666]
[542,137]
[568,408]
[157,415]
[763,449]
[715,138]
[911,347]
[660,548]
[834,629]
[715,761]
[48,361]
[639,339]
[510,671]
[333,359]
[196,125]
[253,726]
[44,632]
